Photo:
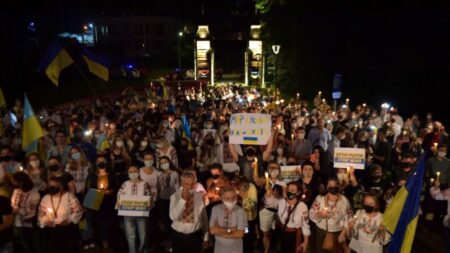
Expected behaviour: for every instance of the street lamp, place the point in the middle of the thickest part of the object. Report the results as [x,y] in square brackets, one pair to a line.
[180,35]
[276,50]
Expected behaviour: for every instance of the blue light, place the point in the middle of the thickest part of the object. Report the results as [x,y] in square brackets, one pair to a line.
[31,23]
[91,25]
[130,66]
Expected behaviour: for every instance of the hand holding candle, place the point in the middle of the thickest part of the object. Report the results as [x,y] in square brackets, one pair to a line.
[438,174]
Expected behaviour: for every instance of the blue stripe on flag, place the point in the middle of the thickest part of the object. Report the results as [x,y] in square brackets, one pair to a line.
[250,138]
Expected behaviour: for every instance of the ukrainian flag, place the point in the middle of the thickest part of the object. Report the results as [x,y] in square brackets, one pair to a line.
[32,130]
[97,65]
[55,61]
[400,217]
[186,130]
[102,143]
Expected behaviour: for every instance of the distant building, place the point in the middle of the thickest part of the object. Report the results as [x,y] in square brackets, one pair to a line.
[132,37]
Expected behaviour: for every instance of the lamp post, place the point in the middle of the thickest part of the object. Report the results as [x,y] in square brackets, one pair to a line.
[276,50]
[180,35]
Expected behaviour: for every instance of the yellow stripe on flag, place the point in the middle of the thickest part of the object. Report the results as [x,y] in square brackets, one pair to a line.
[394,210]
[246,142]
[60,62]
[409,236]
[97,69]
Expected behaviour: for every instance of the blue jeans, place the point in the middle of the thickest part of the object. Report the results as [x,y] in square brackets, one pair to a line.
[7,248]
[131,224]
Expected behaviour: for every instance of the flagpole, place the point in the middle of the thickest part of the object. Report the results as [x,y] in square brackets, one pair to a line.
[87,81]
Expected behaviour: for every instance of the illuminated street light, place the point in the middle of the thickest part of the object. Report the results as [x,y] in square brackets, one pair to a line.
[276,50]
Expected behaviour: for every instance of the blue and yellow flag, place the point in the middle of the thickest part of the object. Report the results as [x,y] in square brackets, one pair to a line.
[97,65]
[186,130]
[55,61]
[32,130]
[400,217]
[102,143]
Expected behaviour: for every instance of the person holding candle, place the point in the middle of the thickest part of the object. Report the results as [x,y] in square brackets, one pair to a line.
[59,212]
[267,215]
[365,229]
[439,163]
[294,222]
[441,192]
[24,202]
[251,163]
[281,153]
[228,223]
[329,212]
[105,219]
[135,227]
[310,182]
[216,182]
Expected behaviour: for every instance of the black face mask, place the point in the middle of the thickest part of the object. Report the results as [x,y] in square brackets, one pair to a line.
[226,139]
[250,152]
[291,195]
[209,142]
[101,165]
[53,168]
[53,190]
[405,165]
[376,178]
[6,158]
[369,209]
[215,176]
[333,190]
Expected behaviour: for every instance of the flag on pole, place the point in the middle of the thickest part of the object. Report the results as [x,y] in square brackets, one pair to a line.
[186,130]
[97,65]
[56,59]
[400,217]
[32,130]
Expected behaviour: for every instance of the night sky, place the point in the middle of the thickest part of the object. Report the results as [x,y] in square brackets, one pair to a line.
[395,52]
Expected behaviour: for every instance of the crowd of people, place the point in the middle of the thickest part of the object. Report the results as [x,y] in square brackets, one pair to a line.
[207,195]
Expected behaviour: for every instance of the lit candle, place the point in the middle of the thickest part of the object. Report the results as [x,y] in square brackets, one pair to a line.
[323,101]
[292,136]
[267,180]
[348,171]
[256,164]
[320,93]
[100,187]
[432,180]
[298,95]
[438,174]
[364,105]
[303,196]
[21,168]
[50,215]
[217,189]
[435,145]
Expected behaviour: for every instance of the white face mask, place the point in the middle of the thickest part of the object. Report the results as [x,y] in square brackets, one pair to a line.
[119,144]
[230,204]
[442,154]
[274,173]
[35,163]
[130,144]
[279,151]
[165,166]
[148,163]
[144,144]
[133,176]
[301,136]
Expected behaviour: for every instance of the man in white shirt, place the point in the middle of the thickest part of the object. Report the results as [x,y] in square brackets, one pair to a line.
[188,213]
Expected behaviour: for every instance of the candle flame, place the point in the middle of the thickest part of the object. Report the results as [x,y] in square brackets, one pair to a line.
[49,210]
